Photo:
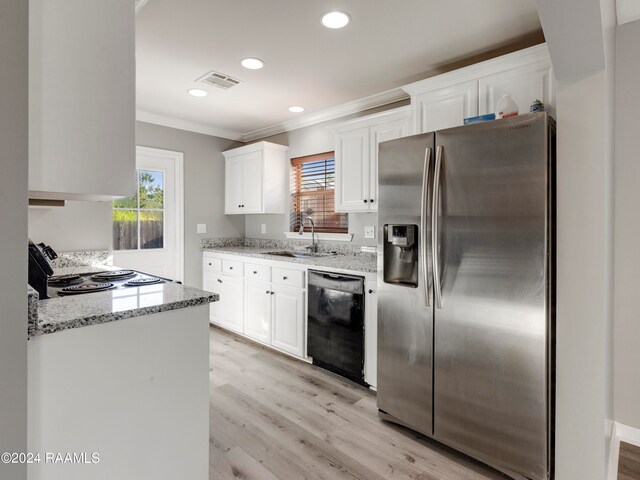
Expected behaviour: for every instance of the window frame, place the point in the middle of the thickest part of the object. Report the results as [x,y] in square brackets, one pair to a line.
[138,210]
[297,195]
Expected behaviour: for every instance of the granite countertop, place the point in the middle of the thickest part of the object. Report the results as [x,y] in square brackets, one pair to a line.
[360,262]
[62,313]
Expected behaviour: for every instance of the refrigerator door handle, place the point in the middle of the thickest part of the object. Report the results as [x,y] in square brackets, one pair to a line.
[435,205]
[423,225]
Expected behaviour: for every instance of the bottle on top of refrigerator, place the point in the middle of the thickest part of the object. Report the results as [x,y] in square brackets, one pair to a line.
[506,107]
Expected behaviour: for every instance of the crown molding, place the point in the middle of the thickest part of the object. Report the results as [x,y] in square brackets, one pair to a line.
[528,56]
[373,101]
[180,124]
[390,115]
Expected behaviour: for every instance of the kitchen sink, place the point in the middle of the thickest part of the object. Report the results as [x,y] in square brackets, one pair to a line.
[295,254]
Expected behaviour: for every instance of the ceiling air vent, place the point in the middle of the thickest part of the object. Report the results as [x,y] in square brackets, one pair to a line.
[219,80]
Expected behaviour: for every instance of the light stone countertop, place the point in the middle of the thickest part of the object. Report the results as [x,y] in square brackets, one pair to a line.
[62,313]
[361,262]
[84,269]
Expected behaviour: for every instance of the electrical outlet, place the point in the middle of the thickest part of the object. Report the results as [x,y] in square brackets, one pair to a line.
[370,232]
[263,228]
[202,228]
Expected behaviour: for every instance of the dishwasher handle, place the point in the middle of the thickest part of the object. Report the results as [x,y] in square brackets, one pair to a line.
[337,282]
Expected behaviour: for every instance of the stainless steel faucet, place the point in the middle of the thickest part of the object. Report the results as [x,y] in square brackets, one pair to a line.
[314,243]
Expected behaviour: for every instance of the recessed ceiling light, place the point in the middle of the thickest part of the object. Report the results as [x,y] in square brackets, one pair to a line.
[196,92]
[296,109]
[335,19]
[252,63]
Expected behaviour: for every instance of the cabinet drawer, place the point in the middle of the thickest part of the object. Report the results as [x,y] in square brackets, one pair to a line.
[257,272]
[285,276]
[212,264]
[231,267]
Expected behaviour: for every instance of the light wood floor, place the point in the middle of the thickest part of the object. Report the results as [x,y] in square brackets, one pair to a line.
[629,462]
[274,417]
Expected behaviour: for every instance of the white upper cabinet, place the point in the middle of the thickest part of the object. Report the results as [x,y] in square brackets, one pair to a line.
[445,107]
[233,185]
[352,171]
[525,84]
[81,99]
[256,179]
[445,100]
[389,130]
[357,157]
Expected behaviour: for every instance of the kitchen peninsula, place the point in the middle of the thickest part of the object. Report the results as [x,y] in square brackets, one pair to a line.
[123,374]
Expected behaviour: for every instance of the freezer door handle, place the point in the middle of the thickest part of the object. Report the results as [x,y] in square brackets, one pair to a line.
[435,205]
[423,224]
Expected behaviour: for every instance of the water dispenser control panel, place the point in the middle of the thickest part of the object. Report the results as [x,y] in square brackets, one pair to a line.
[401,235]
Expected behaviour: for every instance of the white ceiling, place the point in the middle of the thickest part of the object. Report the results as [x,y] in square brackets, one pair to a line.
[386,45]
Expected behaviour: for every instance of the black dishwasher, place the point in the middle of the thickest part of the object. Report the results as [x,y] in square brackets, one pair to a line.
[335,337]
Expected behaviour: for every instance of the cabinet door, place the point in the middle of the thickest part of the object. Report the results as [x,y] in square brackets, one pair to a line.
[525,84]
[233,185]
[252,183]
[382,133]
[445,107]
[210,284]
[257,311]
[352,171]
[371,334]
[288,319]
[213,283]
[231,304]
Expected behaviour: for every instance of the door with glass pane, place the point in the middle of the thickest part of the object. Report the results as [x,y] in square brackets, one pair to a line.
[146,233]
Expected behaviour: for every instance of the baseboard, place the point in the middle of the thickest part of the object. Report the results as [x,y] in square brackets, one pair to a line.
[621,433]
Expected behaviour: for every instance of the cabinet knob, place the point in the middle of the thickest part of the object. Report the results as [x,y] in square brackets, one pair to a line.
[371,200]
[239,206]
[268,292]
[255,272]
[272,293]
[230,268]
[365,200]
[209,263]
[242,206]
[370,291]
[219,281]
[284,278]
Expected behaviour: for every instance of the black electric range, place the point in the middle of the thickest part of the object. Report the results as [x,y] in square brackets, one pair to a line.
[68,285]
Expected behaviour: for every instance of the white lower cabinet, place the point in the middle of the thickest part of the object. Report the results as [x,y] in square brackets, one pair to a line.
[228,311]
[371,333]
[287,309]
[266,304]
[257,310]
[266,301]
[275,315]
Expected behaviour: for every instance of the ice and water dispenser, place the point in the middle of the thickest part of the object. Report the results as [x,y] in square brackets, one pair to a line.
[401,255]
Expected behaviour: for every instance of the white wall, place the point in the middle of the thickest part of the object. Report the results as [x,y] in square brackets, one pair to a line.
[203,188]
[13,233]
[310,140]
[76,226]
[584,242]
[627,228]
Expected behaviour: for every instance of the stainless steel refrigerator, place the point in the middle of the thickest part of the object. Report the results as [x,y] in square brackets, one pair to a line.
[466,295]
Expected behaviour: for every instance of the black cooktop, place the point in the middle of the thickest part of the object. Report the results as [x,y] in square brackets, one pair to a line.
[63,285]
